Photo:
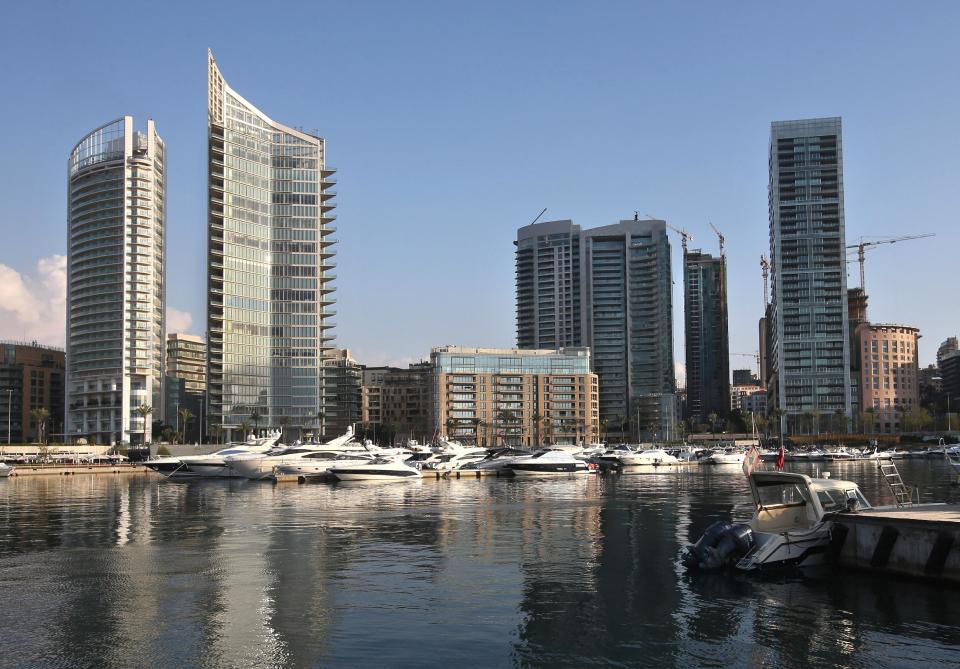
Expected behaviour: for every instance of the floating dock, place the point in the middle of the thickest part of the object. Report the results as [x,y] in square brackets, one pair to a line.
[70,470]
[921,540]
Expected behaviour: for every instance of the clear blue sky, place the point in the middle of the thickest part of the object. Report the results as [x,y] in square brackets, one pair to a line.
[453,123]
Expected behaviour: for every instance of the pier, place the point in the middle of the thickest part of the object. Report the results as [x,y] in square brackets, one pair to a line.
[73,469]
[911,540]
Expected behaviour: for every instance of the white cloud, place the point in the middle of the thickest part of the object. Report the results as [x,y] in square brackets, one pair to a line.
[178,321]
[33,305]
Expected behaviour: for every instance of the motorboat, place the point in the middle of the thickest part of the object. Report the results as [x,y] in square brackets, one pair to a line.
[727,456]
[258,466]
[550,463]
[653,456]
[380,469]
[319,463]
[5,470]
[499,459]
[788,527]
[212,464]
[452,461]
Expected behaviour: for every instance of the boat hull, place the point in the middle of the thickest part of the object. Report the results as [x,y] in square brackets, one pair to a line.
[373,475]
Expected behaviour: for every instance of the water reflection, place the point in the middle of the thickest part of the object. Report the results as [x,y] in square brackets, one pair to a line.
[117,572]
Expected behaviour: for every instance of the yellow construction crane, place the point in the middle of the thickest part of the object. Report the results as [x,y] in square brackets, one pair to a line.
[866,246]
[721,237]
[684,236]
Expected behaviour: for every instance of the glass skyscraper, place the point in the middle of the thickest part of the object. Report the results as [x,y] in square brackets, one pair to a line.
[116,284]
[269,285]
[608,288]
[809,358]
[705,326]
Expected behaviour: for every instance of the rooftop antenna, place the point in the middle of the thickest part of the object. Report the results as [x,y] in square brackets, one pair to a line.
[538,216]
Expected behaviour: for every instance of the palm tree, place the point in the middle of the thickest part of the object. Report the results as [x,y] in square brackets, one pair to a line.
[255,417]
[604,426]
[244,430]
[143,411]
[185,416]
[40,415]
[284,421]
[218,432]
[712,419]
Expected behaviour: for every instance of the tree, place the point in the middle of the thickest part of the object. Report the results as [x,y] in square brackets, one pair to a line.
[681,429]
[712,419]
[244,430]
[284,421]
[604,427]
[218,432]
[40,416]
[871,420]
[255,416]
[185,416]
[143,411]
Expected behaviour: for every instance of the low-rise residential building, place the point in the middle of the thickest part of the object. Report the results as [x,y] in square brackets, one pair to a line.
[738,392]
[343,397]
[521,397]
[31,377]
[754,403]
[185,385]
[396,401]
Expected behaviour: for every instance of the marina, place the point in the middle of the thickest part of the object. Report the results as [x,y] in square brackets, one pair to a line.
[495,571]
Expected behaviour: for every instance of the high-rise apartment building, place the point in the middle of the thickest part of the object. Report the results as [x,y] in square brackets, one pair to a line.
[185,385]
[948,346]
[705,325]
[116,285]
[269,283]
[496,397]
[890,374]
[809,352]
[31,377]
[610,289]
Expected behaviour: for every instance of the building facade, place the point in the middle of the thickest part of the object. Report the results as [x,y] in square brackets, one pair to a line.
[948,346]
[890,375]
[809,348]
[31,378]
[609,289]
[497,397]
[269,284]
[397,402]
[186,383]
[343,399]
[116,282]
[745,377]
[706,341]
[950,381]
[740,391]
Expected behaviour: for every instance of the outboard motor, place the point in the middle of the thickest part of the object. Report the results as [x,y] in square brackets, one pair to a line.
[721,545]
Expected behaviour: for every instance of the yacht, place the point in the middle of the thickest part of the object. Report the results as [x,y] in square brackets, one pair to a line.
[499,459]
[319,463]
[452,461]
[380,469]
[728,456]
[652,456]
[212,464]
[548,463]
[257,466]
[787,529]
[5,470]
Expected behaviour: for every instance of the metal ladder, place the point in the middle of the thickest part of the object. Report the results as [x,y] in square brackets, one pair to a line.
[899,489]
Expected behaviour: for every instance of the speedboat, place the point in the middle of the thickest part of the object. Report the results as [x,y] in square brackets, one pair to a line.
[788,528]
[727,456]
[444,462]
[652,456]
[380,469]
[5,470]
[550,463]
[499,459]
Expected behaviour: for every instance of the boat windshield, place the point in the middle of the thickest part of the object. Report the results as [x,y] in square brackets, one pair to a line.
[836,500]
[782,494]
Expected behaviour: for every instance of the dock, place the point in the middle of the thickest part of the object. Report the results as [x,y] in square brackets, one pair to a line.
[920,540]
[71,470]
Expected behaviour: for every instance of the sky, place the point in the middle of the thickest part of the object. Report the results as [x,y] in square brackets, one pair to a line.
[451,124]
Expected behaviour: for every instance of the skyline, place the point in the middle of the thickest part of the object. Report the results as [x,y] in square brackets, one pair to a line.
[413,279]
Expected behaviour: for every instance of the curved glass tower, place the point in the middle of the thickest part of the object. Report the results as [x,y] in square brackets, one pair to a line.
[270,256]
[116,284]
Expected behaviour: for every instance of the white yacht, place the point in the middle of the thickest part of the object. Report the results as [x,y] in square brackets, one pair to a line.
[653,456]
[5,470]
[727,456]
[258,466]
[499,459]
[319,463]
[380,469]
[452,461]
[787,529]
[550,463]
[211,464]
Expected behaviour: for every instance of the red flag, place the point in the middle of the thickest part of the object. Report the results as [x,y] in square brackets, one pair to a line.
[780,458]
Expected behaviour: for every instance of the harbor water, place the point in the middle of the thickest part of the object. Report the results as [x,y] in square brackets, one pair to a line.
[137,571]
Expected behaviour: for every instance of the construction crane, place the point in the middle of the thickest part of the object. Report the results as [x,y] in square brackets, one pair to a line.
[721,237]
[866,246]
[538,216]
[755,355]
[684,236]
[765,268]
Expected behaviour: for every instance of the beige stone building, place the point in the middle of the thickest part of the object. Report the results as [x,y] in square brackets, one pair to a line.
[397,401]
[495,397]
[889,381]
